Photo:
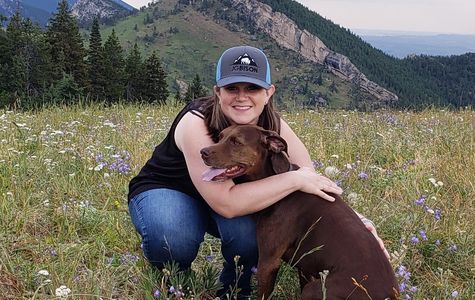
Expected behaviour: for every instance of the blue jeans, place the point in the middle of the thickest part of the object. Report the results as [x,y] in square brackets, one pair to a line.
[172,226]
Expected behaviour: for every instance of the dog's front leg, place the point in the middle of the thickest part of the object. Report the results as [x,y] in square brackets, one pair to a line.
[267,269]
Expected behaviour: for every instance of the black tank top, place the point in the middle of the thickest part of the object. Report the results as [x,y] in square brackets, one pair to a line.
[167,167]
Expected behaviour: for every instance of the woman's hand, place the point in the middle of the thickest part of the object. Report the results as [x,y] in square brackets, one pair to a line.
[370,226]
[312,183]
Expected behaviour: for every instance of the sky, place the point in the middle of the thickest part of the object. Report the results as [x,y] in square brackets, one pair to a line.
[435,16]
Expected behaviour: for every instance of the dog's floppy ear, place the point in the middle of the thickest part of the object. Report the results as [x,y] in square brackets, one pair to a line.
[278,151]
[274,141]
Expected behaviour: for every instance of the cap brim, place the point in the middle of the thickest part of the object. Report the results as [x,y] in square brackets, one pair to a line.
[237,79]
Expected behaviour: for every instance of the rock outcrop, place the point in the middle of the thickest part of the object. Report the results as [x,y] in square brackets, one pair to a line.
[87,10]
[288,35]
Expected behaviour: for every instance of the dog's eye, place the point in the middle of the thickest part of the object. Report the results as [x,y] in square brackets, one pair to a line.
[235,141]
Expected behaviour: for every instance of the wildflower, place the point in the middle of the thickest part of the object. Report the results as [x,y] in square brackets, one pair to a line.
[43,272]
[423,235]
[421,200]
[435,182]
[414,240]
[254,270]
[209,258]
[437,243]
[172,290]
[402,286]
[437,214]
[352,197]
[363,175]
[62,291]
[128,258]
[317,164]
[331,171]
[455,294]
[155,293]
[452,248]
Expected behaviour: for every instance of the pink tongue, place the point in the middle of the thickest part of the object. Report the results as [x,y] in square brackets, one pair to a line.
[211,173]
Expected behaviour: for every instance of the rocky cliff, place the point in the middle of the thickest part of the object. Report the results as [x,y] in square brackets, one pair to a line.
[287,34]
[87,10]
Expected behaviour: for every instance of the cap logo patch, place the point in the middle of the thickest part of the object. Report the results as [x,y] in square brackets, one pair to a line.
[244,63]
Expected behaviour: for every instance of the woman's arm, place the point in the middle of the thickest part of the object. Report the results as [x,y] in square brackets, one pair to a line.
[231,200]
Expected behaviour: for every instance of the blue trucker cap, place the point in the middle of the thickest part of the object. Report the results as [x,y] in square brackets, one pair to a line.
[243,64]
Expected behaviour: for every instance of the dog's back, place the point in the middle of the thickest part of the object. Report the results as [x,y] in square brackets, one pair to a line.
[316,235]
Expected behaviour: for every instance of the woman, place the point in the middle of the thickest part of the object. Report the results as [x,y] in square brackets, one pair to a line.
[172,207]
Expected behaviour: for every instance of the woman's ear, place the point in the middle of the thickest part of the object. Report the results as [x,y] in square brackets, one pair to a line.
[270,91]
[216,90]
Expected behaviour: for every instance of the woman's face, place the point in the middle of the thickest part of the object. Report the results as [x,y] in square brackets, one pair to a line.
[243,102]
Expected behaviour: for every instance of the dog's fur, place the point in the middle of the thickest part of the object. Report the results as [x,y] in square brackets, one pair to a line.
[304,230]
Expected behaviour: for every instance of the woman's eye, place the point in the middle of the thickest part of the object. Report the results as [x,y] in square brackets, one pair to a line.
[253,87]
[230,88]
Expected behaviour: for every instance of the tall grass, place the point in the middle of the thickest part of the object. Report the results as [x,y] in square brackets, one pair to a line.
[64,173]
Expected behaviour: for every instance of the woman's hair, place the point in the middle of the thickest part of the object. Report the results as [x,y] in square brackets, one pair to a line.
[216,121]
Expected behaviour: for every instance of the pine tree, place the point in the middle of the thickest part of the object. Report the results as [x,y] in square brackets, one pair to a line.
[66,47]
[195,90]
[155,88]
[95,63]
[134,73]
[114,68]
[26,57]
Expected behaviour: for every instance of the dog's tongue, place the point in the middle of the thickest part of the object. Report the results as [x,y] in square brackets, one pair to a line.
[211,173]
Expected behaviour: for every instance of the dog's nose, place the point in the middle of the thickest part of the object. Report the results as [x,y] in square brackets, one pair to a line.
[205,152]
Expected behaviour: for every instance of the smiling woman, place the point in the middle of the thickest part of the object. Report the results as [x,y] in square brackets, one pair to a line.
[172,207]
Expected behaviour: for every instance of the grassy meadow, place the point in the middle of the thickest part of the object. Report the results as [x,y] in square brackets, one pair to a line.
[65,230]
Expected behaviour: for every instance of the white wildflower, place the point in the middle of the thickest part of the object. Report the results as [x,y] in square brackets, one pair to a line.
[43,272]
[352,197]
[62,291]
[335,156]
[331,171]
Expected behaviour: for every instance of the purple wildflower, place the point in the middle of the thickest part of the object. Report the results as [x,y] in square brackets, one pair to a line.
[423,235]
[209,258]
[363,175]
[452,248]
[254,270]
[437,242]
[317,164]
[155,293]
[421,200]
[402,286]
[455,294]
[128,258]
[437,214]
[172,289]
[414,240]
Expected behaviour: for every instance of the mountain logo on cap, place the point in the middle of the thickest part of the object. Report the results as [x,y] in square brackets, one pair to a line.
[245,59]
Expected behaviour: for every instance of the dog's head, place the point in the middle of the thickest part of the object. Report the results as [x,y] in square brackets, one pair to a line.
[245,150]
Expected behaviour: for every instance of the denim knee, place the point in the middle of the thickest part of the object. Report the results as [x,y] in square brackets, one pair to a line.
[238,237]
[172,226]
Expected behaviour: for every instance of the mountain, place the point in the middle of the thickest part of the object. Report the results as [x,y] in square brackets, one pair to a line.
[106,10]
[404,44]
[315,61]
[41,11]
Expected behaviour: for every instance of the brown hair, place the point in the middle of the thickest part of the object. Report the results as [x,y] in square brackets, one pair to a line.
[216,121]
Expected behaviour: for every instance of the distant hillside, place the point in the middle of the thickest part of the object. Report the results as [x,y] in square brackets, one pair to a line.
[41,11]
[436,45]
[411,79]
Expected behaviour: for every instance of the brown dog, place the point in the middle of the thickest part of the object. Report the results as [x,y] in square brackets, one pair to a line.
[302,229]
